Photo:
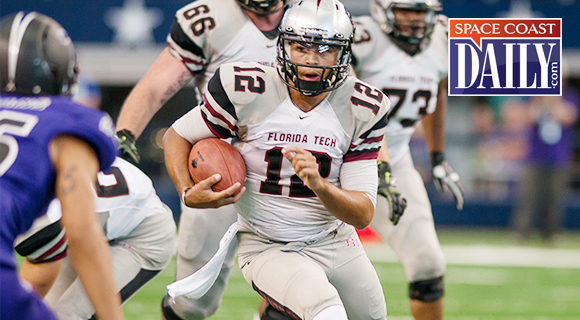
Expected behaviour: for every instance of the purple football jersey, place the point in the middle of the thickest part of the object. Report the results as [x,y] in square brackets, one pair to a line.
[27,178]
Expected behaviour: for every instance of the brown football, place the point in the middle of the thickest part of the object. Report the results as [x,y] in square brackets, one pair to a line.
[210,156]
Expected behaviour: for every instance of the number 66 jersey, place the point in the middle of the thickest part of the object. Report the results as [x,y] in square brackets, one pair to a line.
[251,103]
[411,82]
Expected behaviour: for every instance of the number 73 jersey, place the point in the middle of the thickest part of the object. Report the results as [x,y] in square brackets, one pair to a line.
[411,82]
[251,103]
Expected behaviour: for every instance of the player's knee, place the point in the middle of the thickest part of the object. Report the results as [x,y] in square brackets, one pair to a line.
[429,264]
[313,294]
[426,290]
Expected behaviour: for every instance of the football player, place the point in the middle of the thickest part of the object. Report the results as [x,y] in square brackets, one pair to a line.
[45,244]
[50,146]
[205,34]
[138,226]
[402,49]
[309,135]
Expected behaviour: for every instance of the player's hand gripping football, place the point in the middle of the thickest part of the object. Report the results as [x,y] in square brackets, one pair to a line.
[445,178]
[388,189]
[127,147]
[306,167]
[202,196]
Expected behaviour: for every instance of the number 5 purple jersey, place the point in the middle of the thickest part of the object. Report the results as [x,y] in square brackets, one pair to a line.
[27,177]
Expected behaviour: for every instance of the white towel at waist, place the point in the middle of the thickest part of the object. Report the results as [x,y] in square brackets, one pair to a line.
[197,284]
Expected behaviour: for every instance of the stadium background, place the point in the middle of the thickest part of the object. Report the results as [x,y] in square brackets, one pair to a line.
[117,41]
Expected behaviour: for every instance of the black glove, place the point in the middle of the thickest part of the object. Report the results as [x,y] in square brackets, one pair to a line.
[388,189]
[445,178]
[127,147]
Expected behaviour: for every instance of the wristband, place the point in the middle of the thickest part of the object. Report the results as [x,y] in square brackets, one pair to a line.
[126,133]
[183,196]
[383,166]
[437,158]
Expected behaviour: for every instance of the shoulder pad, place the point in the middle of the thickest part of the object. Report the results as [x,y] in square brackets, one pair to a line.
[204,28]
[439,38]
[369,41]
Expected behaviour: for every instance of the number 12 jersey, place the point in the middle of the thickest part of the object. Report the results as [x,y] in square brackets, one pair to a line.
[251,103]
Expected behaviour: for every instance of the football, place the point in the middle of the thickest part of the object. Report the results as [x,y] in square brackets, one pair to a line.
[210,156]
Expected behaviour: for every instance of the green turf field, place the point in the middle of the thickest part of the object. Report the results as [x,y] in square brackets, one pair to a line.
[473,291]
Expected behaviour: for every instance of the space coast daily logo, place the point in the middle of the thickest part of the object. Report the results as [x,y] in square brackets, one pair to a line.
[505,57]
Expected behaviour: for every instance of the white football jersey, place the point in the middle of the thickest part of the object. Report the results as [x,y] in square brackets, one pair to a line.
[410,82]
[124,196]
[208,33]
[251,103]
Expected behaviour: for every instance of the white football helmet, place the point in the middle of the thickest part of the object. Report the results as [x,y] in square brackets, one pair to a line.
[322,23]
[263,7]
[382,13]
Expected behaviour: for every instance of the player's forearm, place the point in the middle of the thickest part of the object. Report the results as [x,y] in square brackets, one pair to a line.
[88,250]
[136,112]
[352,207]
[89,253]
[177,151]
[384,152]
[165,77]
[434,124]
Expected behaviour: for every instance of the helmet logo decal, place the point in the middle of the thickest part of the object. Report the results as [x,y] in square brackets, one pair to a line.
[315,32]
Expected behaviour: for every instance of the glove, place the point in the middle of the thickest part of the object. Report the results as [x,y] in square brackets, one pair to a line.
[388,189]
[446,178]
[127,147]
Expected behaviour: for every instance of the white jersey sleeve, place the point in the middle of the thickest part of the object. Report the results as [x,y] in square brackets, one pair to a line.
[360,176]
[440,42]
[366,119]
[208,33]
[410,81]
[198,31]
[368,42]
[45,241]
[229,102]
